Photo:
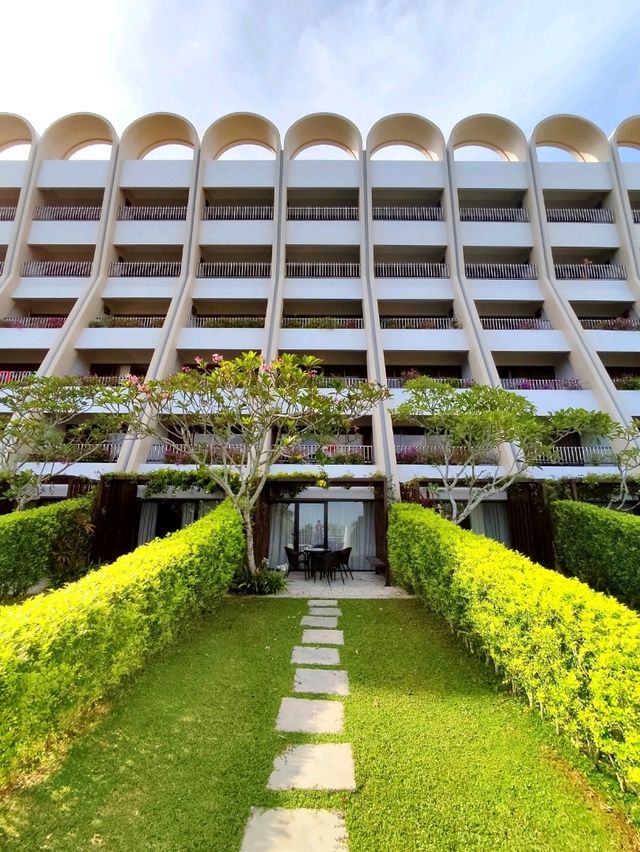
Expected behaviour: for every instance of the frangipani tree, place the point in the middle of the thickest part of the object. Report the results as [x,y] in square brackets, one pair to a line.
[465,429]
[239,417]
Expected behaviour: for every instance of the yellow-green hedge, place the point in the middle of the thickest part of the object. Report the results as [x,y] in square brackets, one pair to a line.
[573,651]
[60,653]
[600,547]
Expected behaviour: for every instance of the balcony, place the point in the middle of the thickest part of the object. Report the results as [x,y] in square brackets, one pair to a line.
[237,212]
[322,213]
[494,214]
[515,323]
[8,213]
[410,269]
[580,215]
[610,323]
[7,376]
[340,454]
[127,322]
[407,213]
[429,454]
[67,213]
[636,216]
[398,382]
[33,322]
[184,453]
[226,322]
[542,384]
[419,323]
[322,269]
[234,269]
[590,271]
[145,269]
[56,268]
[152,213]
[578,457]
[107,451]
[322,322]
[511,271]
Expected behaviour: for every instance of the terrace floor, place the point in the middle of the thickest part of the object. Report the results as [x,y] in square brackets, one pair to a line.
[364,585]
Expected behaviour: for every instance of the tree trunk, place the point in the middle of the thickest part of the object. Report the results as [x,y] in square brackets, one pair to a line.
[248,532]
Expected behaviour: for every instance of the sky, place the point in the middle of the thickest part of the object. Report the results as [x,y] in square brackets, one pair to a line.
[444,59]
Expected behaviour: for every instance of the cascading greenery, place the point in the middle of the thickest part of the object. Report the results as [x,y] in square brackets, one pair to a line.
[574,652]
[600,547]
[60,653]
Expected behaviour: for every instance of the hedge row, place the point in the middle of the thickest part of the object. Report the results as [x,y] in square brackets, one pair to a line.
[60,653]
[599,546]
[575,652]
[52,541]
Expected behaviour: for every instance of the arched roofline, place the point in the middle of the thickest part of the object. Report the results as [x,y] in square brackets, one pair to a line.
[240,128]
[311,130]
[397,136]
[15,130]
[500,135]
[146,133]
[618,136]
[75,131]
[579,145]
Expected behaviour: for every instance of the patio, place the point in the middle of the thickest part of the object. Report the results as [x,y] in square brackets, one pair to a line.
[365,585]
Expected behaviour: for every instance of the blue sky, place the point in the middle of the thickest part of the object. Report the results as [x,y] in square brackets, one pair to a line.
[444,59]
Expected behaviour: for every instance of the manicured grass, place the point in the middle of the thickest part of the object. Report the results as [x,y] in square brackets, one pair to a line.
[445,759]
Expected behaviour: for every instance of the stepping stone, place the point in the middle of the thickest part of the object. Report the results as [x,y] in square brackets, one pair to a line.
[310,716]
[325,681]
[325,610]
[322,766]
[318,621]
[294,830]
[323,602]
[303,656]
[322,637]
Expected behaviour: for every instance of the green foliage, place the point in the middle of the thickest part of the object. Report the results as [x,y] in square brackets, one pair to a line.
[573,651]
[62,652]
[52,541]
[265,581]
[168,480]
[600,547]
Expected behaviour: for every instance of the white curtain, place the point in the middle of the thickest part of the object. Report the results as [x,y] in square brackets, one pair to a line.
[281,534]
[351,525]
[491,519]
[188,513]
[148,518]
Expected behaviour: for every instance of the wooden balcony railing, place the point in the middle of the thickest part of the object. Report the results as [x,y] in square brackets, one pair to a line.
[404,269]
[501,270]
[234,269]
[594,271]
[494,214]
[580,214]
[145,269]
[56,268]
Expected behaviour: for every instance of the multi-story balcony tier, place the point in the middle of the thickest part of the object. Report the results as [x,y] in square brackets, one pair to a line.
[239,273]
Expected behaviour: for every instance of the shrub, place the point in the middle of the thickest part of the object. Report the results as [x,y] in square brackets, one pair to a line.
[52,541]
[573,651]
[600,547]
[266,580]
[62,652]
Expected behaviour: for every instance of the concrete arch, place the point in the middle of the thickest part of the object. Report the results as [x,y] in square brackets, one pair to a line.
[407,129]
[73,132]
[239,128]
[579,137]
[15,130]
[156,129]
[491,131]
[323,128]
[627,132]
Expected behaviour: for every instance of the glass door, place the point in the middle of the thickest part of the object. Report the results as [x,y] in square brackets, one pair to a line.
[312,525]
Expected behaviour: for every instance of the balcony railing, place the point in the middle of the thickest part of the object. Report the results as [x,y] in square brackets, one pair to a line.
[186,453]
[320,213]
[110,381]
[430,454]
[541,384]
[610,323]
[15,375]
[127,322]
[415,323]
[594,271]
[107,451]
[234,269]
[1,266]
[455,381]
[7,213]
[417,269]
[351,381]
[153,213]
[252,212]
[636,216]
[226,322]
[56,268]
[580,214]
[145,269]
[32,322]
[408,213]
[67,213]
[323,269]
[514,323]
[578,456]
[322,322]
[501,270]
[329,454]
[630,381]
[494,214]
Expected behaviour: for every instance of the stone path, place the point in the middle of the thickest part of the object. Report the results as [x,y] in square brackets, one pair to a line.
[314,766]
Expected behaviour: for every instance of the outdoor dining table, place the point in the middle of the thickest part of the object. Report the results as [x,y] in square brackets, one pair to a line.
[315,561]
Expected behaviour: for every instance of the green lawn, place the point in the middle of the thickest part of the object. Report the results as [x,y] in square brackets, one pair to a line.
[445,759]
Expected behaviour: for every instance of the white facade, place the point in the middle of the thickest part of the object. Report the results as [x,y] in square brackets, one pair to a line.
[515,272]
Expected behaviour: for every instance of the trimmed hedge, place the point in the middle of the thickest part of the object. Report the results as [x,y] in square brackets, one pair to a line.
[62,652]
[52,541]
[575,652]
[600,547]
